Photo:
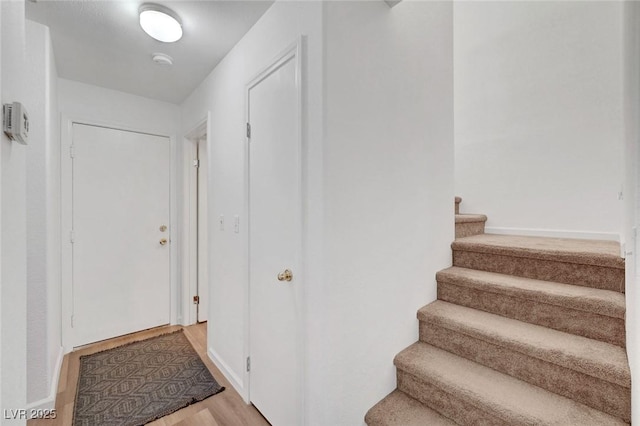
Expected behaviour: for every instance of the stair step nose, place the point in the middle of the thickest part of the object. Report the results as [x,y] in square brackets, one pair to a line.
[466,218]
[584,311]
[588,263]
[399,409]
[469,224]
[469,393]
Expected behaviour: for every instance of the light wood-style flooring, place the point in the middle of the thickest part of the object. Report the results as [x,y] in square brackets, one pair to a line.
[224,409]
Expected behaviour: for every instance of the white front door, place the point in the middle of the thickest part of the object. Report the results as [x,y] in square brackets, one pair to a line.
[274,245]
[121,234]
[203,235]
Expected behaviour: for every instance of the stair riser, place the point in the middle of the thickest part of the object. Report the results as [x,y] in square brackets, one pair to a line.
[601,277]
[457,409]
[468,229]
[586,324]
[599,394]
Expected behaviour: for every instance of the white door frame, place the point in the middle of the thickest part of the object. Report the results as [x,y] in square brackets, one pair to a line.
[190,219]
[293,51]
[66,218]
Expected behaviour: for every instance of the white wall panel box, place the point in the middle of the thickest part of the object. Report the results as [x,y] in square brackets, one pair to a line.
[15,121]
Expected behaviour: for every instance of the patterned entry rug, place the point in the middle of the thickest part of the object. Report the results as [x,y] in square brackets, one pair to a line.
[142,381]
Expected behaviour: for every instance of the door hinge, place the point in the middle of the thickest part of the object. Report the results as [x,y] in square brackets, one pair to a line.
[72,151]
[248,363]
[72,237]
[196,163]
[249,130]
[196,300]
[71,321]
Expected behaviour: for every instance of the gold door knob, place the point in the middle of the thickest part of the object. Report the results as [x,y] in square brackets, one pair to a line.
[163,241]
[287,275]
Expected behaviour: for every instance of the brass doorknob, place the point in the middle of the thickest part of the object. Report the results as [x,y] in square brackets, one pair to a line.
[287,275]
[163,241]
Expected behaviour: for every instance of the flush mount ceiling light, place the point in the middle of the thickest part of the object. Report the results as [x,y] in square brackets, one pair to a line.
[160,23]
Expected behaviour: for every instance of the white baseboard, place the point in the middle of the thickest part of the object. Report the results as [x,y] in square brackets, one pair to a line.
[554,233]
[49,403]
[236,382]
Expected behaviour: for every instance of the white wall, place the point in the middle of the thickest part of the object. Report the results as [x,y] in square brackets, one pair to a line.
[389,190]
[1,181]
[631,14]
[85,101]
[223,93]
[13,260]
[43,219]
[538,115]
[34,101]
[54,298]
[379,187]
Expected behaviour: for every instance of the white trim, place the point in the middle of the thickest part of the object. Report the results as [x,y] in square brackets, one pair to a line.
[228,373]
[199,130]
[554,233]
[190,219]
[66,219]
[246,377]
[49,402]
[292,52]
[174,233]
[115,125]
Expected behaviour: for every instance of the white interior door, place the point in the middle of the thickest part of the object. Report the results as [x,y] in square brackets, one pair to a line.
[274,245]
[203,236]
[121,201]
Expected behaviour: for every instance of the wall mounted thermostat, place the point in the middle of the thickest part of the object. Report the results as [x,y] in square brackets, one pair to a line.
[16,122]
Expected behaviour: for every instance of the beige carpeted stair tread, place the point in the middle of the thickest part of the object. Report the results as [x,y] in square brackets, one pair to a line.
[399,409]
[603,302]
[465,218]
[513,400]
[586,252]
[592,357]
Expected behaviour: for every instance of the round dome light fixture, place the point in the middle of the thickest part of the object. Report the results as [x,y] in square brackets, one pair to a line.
[160,23]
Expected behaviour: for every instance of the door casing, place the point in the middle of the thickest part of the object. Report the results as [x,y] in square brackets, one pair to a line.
[190,219]
[66,218]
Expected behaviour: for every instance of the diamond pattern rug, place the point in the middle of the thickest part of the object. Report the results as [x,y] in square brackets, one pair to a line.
[142,381]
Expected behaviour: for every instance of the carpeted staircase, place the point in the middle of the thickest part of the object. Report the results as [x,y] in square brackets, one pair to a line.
[525,331]
[468,224]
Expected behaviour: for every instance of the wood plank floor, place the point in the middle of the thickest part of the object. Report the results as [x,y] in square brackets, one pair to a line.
[224,409]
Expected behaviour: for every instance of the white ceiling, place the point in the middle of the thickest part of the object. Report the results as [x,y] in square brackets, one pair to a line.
[101,42]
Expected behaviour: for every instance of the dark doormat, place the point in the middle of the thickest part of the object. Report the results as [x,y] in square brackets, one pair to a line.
[142,381]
